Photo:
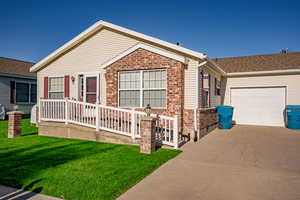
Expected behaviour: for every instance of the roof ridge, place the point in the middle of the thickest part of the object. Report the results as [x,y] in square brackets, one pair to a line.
[17,60]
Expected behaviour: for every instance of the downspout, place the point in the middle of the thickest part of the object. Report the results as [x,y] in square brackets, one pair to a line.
[199,102]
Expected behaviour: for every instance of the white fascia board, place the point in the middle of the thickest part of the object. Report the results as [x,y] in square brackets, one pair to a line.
[146,47]
[98,25]
[203,63]
[287,71]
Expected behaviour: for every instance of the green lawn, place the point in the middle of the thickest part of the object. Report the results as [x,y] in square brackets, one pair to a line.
[73,169]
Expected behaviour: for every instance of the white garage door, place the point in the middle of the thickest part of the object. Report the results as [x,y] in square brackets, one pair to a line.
[259,106]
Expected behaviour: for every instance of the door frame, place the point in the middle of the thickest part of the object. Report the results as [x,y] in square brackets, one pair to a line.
[85,75]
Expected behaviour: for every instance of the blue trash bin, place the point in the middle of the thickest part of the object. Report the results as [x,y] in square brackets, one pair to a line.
[225,116]
[293,116]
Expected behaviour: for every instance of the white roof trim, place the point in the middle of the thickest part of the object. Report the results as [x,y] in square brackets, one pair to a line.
[218,68]
[146,47]
[287,71]
[98,25]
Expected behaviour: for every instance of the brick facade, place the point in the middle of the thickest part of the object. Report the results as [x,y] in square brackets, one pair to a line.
[206,119]
[188,121]
[142,59]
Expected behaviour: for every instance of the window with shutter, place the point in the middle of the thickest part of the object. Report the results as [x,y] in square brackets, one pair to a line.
[56,88]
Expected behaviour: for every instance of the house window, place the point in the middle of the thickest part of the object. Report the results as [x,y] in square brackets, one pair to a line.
[129,89]
[81,87]
[217,87]
[56,88]
[25,92]
[140,88]
[206,97]
[154,88]
[33,91]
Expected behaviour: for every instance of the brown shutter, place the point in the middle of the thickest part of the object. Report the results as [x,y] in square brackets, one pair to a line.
[67,86]
[12,92]
[46,87]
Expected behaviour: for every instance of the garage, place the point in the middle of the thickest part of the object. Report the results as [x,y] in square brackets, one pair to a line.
[259,105]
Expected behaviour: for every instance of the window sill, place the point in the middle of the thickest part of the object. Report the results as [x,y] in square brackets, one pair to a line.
[25,103]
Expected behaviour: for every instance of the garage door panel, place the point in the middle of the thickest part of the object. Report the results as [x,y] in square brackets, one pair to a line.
[258,106]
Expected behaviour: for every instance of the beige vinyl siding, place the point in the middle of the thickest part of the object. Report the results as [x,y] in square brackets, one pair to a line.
[191,101]
[290,81]
[87,57]
[190,85]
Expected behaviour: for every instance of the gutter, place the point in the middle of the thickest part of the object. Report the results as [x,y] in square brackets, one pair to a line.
[17,76]
[232,74]
[263,72]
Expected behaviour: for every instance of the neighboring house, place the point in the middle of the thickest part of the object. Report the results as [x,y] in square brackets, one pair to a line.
[115,66]
[259,87]
[17,84]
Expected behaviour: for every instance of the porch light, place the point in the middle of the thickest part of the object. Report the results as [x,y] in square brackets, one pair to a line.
[148,110]
[72,79]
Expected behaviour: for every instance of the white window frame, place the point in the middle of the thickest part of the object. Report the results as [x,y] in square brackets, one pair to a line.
[49,77]
[29,99]
[217,88]
[141,89]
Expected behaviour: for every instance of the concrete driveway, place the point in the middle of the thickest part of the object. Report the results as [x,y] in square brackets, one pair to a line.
[246,162]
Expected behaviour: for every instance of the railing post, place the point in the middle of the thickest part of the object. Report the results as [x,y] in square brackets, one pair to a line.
[97,117]
[133,124]
[66,111]
[176,124]
[39,111]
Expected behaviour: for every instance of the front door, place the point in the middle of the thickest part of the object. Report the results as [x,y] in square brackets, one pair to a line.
[89,88]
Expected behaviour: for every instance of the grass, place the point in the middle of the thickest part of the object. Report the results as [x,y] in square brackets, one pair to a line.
[73,169]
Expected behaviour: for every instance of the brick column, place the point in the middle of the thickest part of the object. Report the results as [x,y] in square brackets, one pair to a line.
[14,123]
[147,135]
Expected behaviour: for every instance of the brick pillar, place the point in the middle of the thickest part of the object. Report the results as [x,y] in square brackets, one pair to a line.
[14,123]
[147,134]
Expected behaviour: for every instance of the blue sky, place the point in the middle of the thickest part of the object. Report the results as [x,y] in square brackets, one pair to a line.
[30,30]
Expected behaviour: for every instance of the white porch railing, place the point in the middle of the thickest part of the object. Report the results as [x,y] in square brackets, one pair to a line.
[113,119]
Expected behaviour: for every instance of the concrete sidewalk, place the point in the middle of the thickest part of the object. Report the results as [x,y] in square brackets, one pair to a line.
[9,193]
[246,162]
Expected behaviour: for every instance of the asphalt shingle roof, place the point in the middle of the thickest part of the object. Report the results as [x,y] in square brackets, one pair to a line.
[267,62]
[17,67]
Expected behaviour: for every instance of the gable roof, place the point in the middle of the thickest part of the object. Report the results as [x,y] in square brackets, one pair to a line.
[260,63]
[102,24]
[146,47]
[13,67]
